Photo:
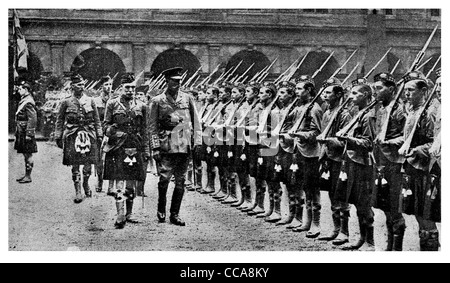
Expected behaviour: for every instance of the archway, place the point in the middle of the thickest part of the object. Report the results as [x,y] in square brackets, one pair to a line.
[248,57]
[313,62]
[94,63]
[175,57]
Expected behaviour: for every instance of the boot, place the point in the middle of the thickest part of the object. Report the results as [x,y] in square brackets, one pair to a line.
[188,182]
[162,201]
[129,208]
[369,245]
[76,183]
[362,237]
[398,240]
[342,238]
[121,219]
[429,240]
[276,214]
[269,211]
[290,217]
[259,203]
[314,230]
[337,226]
[87,190]
[110,188]
[211,184]
[298,218]
[198,180]
[19,179]
[246,199]
[232,196]
[99,187]
[140,189]
[27,177]
[390,239]
[307,224]
[223,190]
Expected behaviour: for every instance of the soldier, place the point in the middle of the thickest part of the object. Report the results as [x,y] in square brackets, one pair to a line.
[172,117]
[419,193]
[389,162]
[306,156]
[357,173]
[331,157]
[78,132]
[127,148]
[26,119]
[100,102]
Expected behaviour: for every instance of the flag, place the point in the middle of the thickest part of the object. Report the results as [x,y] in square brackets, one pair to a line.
[20,46]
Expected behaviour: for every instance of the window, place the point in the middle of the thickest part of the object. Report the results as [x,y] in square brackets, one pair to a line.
[435,12]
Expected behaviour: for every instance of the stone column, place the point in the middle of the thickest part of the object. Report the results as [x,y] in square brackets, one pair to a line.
[57,57]
[286,59]
[213,56]
[139,60]
[376,44]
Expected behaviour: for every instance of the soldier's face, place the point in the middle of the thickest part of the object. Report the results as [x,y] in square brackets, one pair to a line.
[129,89]
[22,91]
[413,94]
[78,87]
[358,97]
[301,91]
[201,95]
[249,93]
[265,94]
[210,95]
[223,95]
[107,87]
[284,95]
[382,93]
[235,94]
[173,85]
[329,96]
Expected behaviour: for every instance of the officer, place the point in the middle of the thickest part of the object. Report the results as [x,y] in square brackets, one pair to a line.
[26,119]
[127,148]
[78,132]
[171,120]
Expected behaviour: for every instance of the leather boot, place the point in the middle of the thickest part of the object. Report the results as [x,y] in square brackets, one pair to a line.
[342,238]
[140,189]
[99,187]
[162,201]
[223,192]
[210,183]
[291,214]
[390,237]
[369,245]
[298,217]
[232,196]
[276,214]
[77,185]
[268,212]
[307,224]
[27,177]
[87,190]
[337,227]
[259,203]
[429,240]
[362,237]
[314,230]
[19,179]
[248,204]
[129,208]
[398,240]
[198,180]
[110,191]
[121,220]
[188,183]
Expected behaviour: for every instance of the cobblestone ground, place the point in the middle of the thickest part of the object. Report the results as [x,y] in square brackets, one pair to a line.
[43,217]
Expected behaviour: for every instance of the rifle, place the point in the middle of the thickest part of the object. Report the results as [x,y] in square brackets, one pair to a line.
[434,66]
[266,71]
[217,113]
[209,76]
[344,131]
[378,63]
[266,114]
[286,112]
[349,75]
[323,65]
[192,77]
[382,136]
[243,74]
[232,72]
[138,77]
[333,119]
[404,149]
[424,63]
[305,113]
[345,63]
[395,67]
[204,119]
[292,73]
[240,121]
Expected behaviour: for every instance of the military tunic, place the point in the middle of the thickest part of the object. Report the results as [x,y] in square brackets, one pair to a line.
[26,119]
[79,126]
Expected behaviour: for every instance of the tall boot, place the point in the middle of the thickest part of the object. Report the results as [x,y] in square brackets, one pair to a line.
[298,217]
[276,214]
[232,189]
[27,177]
[259,202]
[198,180]
[342,238]
[314,230]
[291,213]
[398,240]
[369,245]
[110,191]
[268,212]
[177,197]
[210,183]
[19,179]
[121,219]
[337,227]
[242,199]
[307,224]
[248,203]
[76,183]
[188,183]
[129,209]
[140,189]
[87,190]
[362,237]
[429,240]
[223,192]
[162,200]
[390,238]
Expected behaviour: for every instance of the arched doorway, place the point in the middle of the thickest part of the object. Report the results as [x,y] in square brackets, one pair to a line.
[313,62]
[248,57]
[175,57]
[94,63]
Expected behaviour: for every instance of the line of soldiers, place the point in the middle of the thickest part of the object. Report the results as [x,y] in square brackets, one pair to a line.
[371,145]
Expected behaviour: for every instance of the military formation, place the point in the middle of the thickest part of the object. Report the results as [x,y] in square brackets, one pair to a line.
[370,144]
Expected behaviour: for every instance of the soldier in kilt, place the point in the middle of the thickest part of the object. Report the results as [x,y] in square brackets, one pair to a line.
[26,119]
[78,132]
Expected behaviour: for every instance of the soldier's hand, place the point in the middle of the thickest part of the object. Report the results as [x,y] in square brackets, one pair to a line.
[99,140]
[59,143]
[28,138]
[156,155]
[146,157]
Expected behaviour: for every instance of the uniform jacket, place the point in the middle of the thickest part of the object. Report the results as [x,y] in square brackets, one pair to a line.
[78,114]
[251,124]
[171,123]
[267,122]
[26,117]
[360,143]
[335,149]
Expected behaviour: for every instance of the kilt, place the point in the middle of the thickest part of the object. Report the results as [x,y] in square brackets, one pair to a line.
[22,145]
[251,152]
[125,162]
[284,159]
[387,196]
[72,157]
[265,169]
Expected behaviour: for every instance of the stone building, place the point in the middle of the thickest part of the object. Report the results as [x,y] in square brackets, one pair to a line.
[110,41]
